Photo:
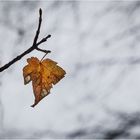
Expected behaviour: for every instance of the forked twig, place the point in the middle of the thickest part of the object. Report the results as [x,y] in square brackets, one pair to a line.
[33,47]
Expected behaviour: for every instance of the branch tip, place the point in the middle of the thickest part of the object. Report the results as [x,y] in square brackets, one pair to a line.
[45,51]
[49,36]
[40,11]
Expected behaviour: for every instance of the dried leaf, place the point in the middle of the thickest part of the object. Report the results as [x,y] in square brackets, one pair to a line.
[43,75]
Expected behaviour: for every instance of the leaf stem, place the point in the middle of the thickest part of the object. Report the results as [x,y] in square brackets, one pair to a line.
[43,57]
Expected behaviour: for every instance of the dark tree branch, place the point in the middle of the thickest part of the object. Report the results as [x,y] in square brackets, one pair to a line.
[45,51]
[38,29]
[33,47]
[43,40]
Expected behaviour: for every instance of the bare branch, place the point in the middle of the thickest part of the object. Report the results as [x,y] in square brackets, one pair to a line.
[38,29]
[43,40]
[45,51]
[33,47]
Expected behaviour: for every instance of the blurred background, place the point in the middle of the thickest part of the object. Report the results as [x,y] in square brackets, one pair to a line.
[97,43]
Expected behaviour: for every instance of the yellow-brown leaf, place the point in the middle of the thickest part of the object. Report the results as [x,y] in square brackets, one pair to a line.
[43,75]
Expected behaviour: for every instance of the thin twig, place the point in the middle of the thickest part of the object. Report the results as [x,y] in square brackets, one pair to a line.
[43,40]
[45,51]
[39,26]
[33,47]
